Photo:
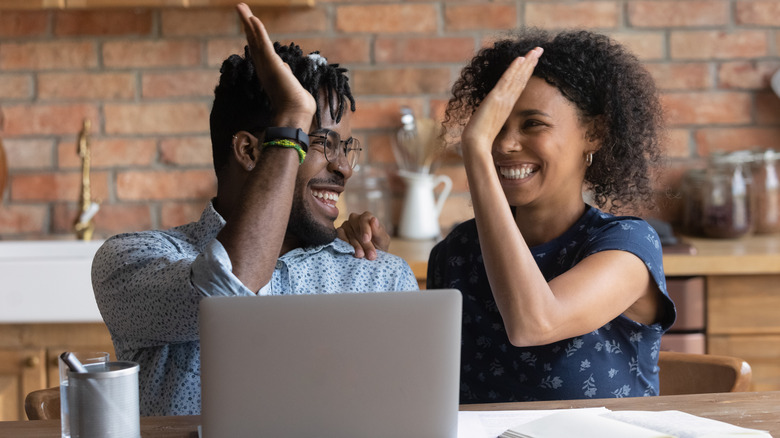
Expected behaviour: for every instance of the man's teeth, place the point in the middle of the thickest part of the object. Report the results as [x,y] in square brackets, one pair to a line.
[328,196]
[516,172]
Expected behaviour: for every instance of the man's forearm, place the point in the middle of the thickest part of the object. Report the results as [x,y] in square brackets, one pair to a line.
[254,233]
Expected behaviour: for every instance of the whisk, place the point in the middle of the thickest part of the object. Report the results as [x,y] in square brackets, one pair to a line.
[417,143]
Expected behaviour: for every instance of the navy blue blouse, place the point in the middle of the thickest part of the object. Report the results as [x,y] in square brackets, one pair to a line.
[617,360]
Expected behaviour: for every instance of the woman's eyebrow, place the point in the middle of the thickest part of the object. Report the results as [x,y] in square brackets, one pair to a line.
[532,112]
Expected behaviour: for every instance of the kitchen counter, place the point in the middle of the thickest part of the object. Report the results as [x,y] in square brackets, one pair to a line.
[415,252]
[47,281]
[748,255]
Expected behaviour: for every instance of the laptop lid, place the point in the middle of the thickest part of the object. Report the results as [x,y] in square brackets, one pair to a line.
[383,364]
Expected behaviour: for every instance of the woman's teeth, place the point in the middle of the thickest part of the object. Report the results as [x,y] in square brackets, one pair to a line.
[516,172]
[333,197]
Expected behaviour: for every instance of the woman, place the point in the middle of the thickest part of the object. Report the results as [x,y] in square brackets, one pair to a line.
[560,299]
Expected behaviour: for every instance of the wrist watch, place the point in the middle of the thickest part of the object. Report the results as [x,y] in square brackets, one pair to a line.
[284,133]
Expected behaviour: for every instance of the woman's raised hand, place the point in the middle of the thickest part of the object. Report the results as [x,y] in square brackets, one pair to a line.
[295,107]
[486,122]
[365,233]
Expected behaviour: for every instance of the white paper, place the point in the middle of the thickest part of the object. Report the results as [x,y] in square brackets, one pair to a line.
[490,424]
[684,425]
[569,423]
[584,423]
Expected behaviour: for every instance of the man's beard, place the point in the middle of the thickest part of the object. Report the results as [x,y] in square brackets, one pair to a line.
[307,230]
[305,227]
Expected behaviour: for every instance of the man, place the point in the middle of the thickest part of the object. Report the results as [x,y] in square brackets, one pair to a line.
[269,230]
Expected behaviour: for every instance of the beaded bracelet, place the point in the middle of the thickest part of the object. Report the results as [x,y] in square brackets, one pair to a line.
[285,143]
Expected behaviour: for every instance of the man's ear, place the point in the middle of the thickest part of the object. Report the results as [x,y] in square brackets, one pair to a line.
[245,149]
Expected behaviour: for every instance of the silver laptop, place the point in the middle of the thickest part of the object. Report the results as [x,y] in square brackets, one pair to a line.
[382,364]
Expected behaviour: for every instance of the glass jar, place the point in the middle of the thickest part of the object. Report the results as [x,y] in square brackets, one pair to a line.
[692,190]
[368,190]
[766,192]
[726,203]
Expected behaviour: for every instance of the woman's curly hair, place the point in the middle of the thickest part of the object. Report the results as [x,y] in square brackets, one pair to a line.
[611,90]
[240,103]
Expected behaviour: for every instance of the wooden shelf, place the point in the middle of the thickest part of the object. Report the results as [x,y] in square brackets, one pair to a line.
[102,4]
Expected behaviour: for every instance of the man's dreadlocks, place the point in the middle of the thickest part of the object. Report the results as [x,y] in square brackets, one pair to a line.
[241,104]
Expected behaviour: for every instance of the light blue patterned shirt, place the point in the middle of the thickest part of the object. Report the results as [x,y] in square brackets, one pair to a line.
[148,286]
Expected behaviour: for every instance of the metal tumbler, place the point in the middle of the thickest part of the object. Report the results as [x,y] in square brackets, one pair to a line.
[104,401]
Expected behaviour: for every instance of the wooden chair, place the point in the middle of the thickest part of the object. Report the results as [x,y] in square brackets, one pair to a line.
[43,404]
[689,373]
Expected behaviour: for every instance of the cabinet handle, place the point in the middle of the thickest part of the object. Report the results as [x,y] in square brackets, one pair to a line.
[32,362]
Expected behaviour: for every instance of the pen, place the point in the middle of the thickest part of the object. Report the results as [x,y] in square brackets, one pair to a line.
[73,363]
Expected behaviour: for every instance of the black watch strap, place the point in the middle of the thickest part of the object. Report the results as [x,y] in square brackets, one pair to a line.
[295,134]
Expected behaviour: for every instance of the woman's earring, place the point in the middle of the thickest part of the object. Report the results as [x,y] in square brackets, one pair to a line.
[589,159]
[249,167]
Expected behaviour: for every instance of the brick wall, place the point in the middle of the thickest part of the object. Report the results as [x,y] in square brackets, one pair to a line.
[145,78]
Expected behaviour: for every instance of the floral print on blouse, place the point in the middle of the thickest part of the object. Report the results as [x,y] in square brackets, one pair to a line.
[618,360]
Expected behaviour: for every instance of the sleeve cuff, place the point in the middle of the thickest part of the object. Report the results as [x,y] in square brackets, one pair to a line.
[212,274]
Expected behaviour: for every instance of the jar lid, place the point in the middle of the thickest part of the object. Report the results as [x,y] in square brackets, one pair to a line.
[736,157]
[695,174]
[766,155]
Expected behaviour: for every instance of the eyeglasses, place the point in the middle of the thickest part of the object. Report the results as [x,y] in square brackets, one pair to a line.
[330,142]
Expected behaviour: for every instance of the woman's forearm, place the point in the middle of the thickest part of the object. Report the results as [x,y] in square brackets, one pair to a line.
[522,295]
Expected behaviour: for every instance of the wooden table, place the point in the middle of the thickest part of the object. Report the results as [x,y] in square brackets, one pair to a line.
[756,410]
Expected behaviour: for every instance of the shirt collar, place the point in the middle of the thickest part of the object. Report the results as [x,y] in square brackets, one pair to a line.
[213,220]
[337,245]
